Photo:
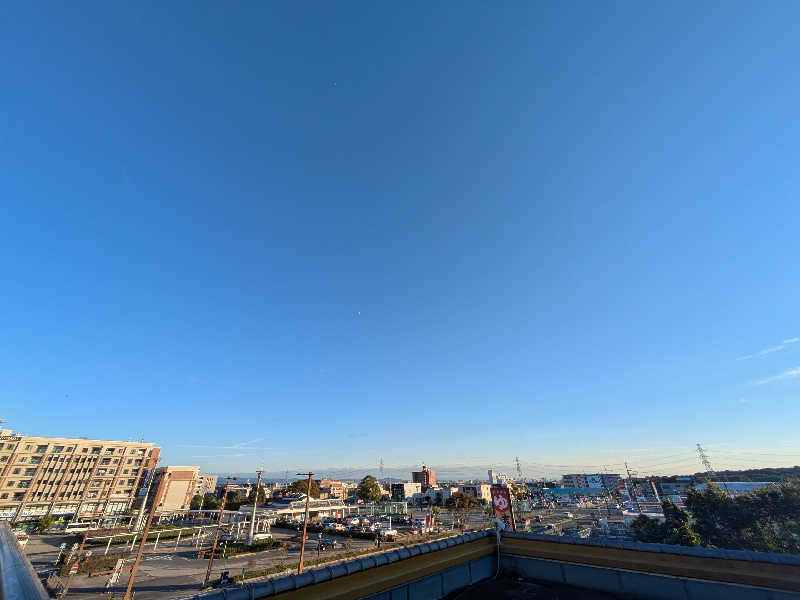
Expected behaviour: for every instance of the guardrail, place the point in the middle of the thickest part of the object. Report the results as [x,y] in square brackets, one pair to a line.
[18,580]
[758,569]
[628,569]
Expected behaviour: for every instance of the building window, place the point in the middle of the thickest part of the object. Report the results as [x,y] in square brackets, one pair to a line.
[41,449]
[91,495]
[10,483]
[58,449]
[35,460]
[96,450]
[116,461]
[96,483]
[131,481]
[30,472]
[133,450]
[109,451]
[23,459]
[84,450]
[3,496]
[105,461]
[16,471]
[28,447]
[130,460]
[24,484]
[71,448]
[3,458]
[125,472]
[19,495]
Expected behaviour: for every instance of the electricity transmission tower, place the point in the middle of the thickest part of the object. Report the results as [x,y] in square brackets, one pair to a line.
[709,469]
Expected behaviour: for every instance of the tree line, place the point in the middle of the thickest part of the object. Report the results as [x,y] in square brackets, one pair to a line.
[764,520]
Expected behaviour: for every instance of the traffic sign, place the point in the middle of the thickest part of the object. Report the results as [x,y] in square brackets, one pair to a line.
[74,568]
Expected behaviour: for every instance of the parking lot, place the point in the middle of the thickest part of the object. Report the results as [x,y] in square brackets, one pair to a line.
[173,569]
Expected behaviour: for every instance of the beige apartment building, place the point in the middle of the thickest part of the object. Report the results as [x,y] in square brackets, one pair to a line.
[67,477]
[206,484]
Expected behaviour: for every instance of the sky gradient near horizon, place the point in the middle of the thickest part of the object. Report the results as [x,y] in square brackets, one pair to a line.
[311,235]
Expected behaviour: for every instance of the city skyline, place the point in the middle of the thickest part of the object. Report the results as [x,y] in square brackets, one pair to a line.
[305,238]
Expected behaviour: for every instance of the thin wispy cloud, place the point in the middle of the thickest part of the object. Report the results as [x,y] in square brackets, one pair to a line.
[788,374]
[234,447]
[772,349]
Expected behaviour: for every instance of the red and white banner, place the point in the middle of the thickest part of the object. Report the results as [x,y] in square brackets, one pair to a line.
[501,501]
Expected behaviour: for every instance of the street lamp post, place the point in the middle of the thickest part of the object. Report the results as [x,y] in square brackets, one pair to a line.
[305,523]
[255,504]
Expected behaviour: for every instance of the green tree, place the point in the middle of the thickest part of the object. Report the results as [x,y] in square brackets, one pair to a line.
[675,529]
[714,516]
[461,500]
[436,510]
[196,503]
[262,495]
[234,500]
[369,490]
[677,526]
[211,502]
[301,485]
[460,504]
[765,520]
[45,523]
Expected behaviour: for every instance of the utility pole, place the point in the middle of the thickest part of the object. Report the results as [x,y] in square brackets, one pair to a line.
[78,560]
[305,523]
[216,535]
[632,489]
[255,504]
[139,552]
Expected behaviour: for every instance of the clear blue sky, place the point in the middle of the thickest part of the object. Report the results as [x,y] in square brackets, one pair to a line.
[564,229]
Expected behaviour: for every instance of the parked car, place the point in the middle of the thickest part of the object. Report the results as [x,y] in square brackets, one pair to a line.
[327,545]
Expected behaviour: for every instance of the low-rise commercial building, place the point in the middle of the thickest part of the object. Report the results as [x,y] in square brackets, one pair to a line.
[67,477]
[593,480]
[401,491]
[441,494]
[479,491]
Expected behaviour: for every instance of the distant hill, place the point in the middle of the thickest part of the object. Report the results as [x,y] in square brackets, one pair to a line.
[776,474]
[765,474]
